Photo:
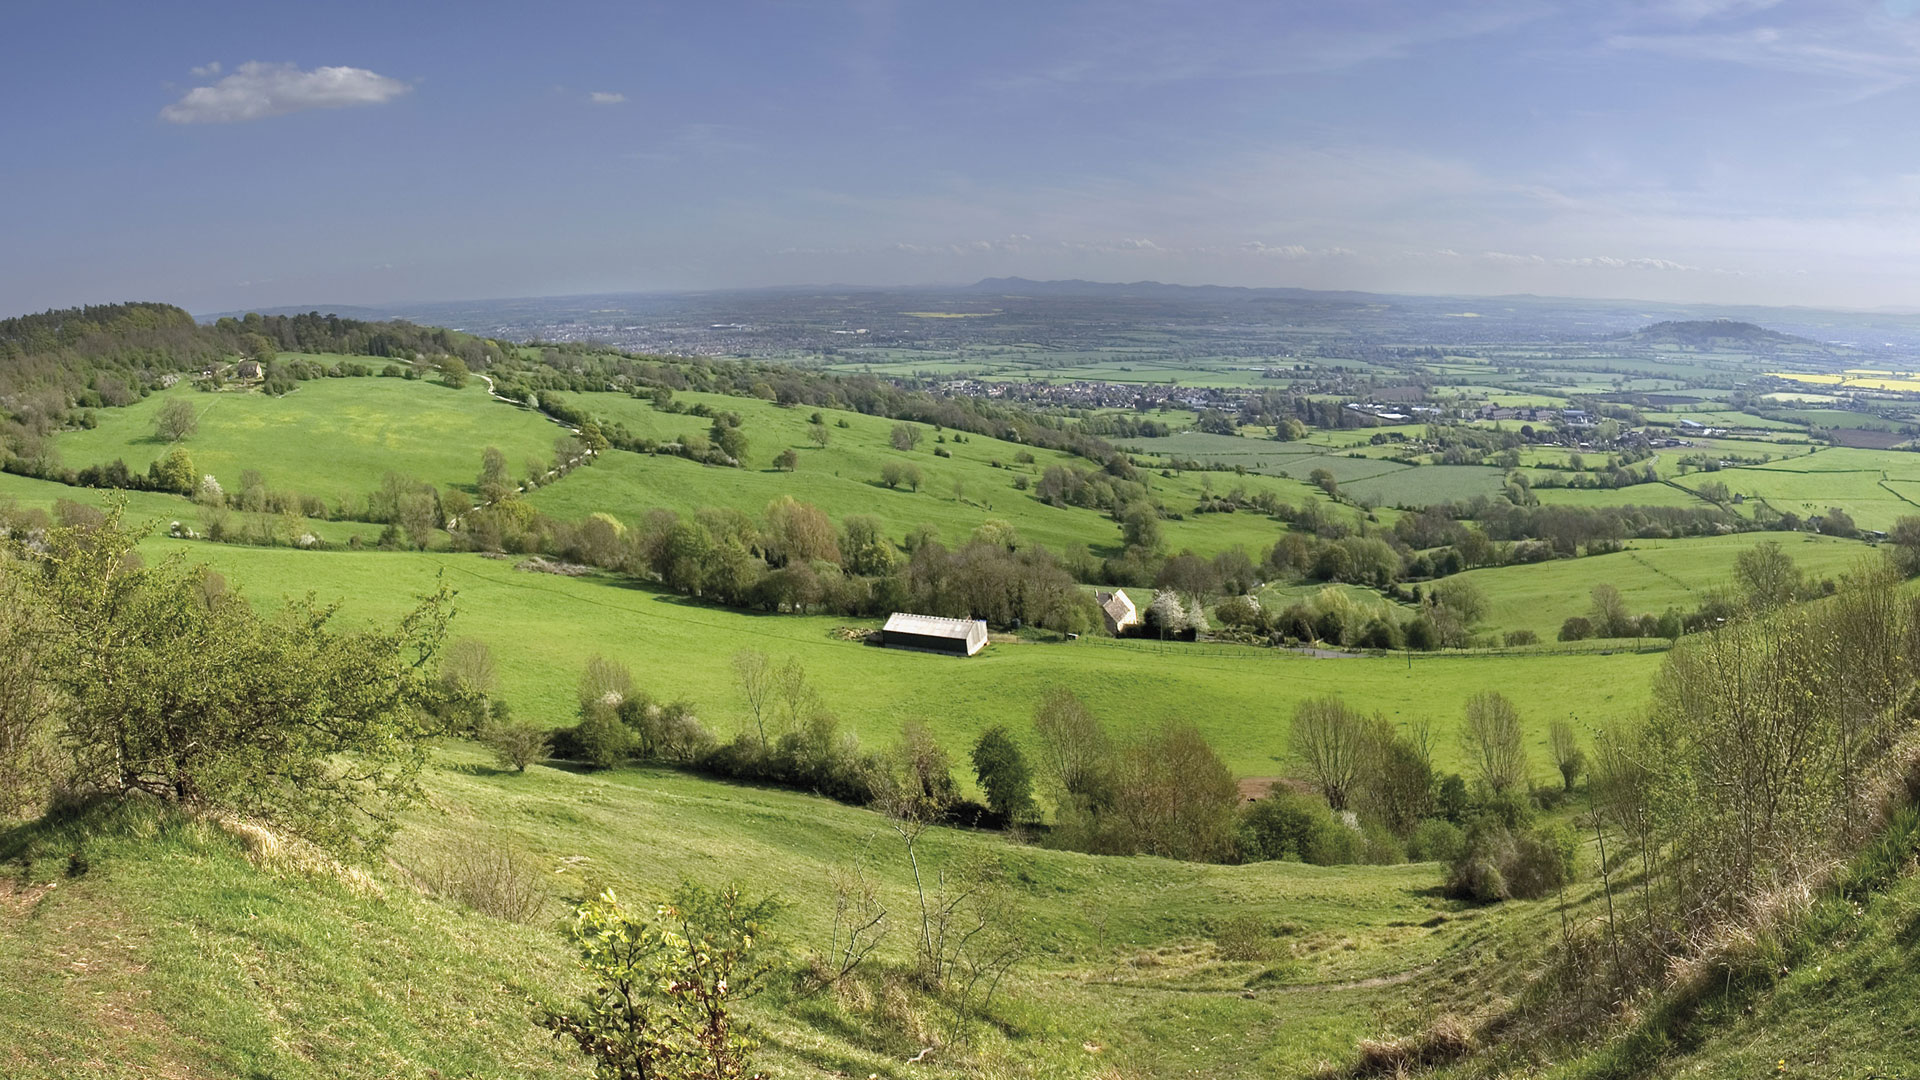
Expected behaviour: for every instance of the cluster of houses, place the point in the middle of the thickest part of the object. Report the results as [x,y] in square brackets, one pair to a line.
[245,371]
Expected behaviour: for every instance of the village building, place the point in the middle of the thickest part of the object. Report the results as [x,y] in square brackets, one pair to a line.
[1117,611]
[248,369]
[930,633]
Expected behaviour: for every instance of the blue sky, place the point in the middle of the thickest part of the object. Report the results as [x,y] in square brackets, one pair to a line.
[1699,150]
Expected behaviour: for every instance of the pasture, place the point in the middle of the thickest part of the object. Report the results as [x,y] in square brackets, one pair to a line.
[1867,484]
[335,438]
[543,628]
[1652,575]
[957,493]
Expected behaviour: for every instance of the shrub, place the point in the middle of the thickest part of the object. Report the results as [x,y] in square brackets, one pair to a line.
[487,878]
[599,739]
[1003,774]
[1576,628]
[1243,612]
[666,982]
[514,744]
[1382,848]
[1517,638]
[1499,864]
[1244,938]
[1294,827]
[1436,840]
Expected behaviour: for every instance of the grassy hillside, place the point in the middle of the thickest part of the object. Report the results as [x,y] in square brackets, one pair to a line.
[543,627]
[174,954]
[844,478]
[335,438]
[157,507]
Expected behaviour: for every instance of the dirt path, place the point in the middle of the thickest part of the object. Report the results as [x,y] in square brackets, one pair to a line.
[1375,982]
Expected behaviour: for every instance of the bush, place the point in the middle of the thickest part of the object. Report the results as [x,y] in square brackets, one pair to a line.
[1244,938]
[1576,628]
[1500,864]
[1436,840]
[600,740]
[1517,638]
[514,744]
[1294,827]
[1242,612]
[486,878]
[1382,847]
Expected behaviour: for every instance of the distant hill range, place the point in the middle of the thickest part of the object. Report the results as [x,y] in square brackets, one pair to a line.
[1713,334]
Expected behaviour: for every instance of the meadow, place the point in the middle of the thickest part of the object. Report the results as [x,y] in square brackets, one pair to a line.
[1652,576]
[335,438]
[1874,487]
[974,484]
[543,628]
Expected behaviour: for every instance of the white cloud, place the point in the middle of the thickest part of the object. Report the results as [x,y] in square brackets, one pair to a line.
[606,97]
[206,71]
[256,90]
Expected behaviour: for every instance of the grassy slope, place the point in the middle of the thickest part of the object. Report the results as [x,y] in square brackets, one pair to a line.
[543,628]
[161,509]
[1652,575]
[334,438]
[174,955]
[844,478]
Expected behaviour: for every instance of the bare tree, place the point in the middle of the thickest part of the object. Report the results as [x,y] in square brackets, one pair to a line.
[1494,742]
[905,436]
[1608,611]
[1075,747]
[794,695]
[1396,773]
[754,677]
[860,922]
[1329,742]
[466,665]
[1767,576]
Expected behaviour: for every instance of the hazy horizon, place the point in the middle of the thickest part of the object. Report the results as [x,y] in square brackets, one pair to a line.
[1723,152]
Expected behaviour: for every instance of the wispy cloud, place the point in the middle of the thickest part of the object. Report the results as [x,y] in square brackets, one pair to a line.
[606,97]
[1166,43]
[1871,55]
[257,90]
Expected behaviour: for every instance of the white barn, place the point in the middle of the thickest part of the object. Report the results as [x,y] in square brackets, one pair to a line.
[961,637]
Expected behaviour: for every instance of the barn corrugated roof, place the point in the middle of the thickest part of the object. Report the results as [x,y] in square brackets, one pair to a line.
[933,626]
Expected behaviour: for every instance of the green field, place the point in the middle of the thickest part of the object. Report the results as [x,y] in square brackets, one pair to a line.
[1635,495]
[844,478]
[335,438]
[1652,575]
[543,627]
[1838,476]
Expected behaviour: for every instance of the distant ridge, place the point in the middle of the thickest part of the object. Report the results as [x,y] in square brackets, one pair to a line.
[1160,290]
[1706,333]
